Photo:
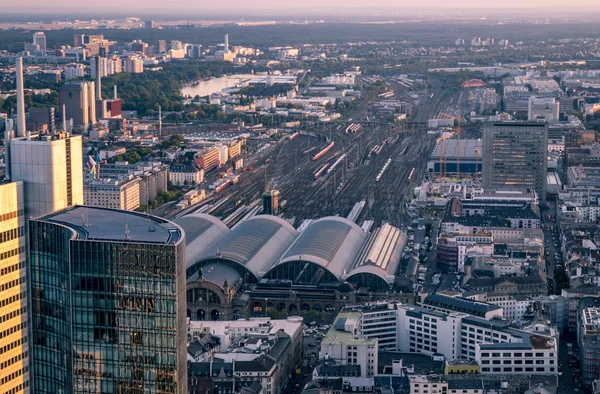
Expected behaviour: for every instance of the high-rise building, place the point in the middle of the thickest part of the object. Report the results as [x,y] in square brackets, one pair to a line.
[133,64]
[515,156]
[14,374]
[271,202]
[39,39]
[51,168]
[161,46]
[108,303]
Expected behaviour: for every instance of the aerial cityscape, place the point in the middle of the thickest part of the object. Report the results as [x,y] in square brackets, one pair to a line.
[336,198]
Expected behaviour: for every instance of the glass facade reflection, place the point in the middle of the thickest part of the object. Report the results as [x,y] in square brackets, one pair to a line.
[108,316]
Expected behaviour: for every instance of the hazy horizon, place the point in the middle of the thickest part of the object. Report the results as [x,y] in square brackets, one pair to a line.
[310,6]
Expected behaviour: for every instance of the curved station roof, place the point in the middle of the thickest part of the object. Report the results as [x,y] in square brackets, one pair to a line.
[265,243]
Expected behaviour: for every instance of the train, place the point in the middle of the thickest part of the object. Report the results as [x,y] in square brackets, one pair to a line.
[338,161]
[385,166]
[293,135]
[321,171]
[324,151]
[306,152]
[223,186]
[353,128]
[411,175]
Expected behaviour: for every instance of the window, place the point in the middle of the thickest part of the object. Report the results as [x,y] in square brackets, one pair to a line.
[539,354]
[506,355]
[495,354]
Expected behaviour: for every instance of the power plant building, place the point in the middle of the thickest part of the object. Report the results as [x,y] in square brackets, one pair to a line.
[80,104]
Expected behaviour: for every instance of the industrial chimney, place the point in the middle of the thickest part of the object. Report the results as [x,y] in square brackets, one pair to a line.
[20,100]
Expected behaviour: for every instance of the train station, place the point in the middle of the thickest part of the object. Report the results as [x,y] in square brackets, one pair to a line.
[264,263]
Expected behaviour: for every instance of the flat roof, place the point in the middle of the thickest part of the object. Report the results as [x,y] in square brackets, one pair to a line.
[95,223]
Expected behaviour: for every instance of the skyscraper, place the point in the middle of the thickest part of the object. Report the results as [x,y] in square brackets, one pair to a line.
[108,303]
[39,39]
[515,156]
[14,374]
[51,168]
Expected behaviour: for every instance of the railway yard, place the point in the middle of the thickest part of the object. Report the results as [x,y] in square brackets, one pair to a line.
[325,169]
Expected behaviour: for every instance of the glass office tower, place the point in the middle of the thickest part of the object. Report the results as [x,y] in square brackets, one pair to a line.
[108,303]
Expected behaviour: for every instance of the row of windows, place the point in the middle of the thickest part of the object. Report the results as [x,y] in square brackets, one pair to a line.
[19,388]
[517,362]
[13,345]
[11,215]
[14,375]
[11,234]
[516,354]
[12,314]
[13,267]
[10,300]
[517,369]
[13,360]
[13,329]
[10,253]
[12,283]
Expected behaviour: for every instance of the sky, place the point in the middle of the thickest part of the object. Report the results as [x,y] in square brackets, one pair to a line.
[33,6]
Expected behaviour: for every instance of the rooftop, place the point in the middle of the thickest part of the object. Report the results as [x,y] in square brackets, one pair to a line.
[94,223]
[458,304]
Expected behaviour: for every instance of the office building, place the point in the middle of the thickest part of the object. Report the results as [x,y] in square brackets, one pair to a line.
[14,374]
[78,99]
[108,303]
[208,158]
[449,303]
[113,193]
[181,174]
[235,149]
[515,156]
[588,337]
[271,202]
[344,344]
[543,109]
[39,39]
[51,168]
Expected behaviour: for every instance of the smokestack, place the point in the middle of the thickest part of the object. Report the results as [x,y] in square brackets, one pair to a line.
[64,118]
[91,104]
[115,92]
[159,121]
[20,100]
[226,42]
[98,79]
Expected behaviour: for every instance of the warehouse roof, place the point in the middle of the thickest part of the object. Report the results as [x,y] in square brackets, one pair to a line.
[331,242]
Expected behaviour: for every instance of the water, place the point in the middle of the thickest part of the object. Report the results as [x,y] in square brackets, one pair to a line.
[206,88]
